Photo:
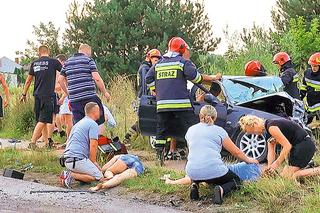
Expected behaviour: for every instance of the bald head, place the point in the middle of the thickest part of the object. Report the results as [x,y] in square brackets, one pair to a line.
[85,49]
[43,50]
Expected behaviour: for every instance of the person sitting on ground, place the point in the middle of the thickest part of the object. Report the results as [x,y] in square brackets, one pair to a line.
[245,171]
[118,169]
[6,92]
[205,141]
[80,155]
[296,144]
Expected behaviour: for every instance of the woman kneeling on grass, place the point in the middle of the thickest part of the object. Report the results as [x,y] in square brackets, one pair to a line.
[205,141]
[295,141]
[118,169]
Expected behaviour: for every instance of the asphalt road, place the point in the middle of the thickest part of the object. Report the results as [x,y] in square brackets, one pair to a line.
[15,196]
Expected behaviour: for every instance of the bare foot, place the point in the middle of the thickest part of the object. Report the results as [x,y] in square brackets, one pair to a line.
[168,181]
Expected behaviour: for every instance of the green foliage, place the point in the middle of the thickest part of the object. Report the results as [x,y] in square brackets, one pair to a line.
[45,34]
[288,9]
[301,40]
[121,32]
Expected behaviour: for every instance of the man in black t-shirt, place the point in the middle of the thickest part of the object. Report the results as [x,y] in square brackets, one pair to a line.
[44,70]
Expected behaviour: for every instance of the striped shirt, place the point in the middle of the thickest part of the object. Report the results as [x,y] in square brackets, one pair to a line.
[78,71]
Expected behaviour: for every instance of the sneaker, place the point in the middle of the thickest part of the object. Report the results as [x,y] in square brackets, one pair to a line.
[66,179]
[32,146]
[173,156]
[160,156]
[311,164]
[217,197]
[194,192]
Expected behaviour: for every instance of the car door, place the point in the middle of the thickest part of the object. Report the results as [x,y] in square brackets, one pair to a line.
[147,115]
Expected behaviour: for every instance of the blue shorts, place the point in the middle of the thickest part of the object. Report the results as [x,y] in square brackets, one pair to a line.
[132,162]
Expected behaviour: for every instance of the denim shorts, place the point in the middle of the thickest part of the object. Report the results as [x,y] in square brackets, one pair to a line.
[132,162]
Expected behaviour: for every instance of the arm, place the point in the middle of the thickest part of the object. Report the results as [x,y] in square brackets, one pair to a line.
[93,151]
[210,78]
[303,88]
[63,83]
[100,84]
[283,141]
[26,87]
[271,152]
[236,152]
[150,79]
[287,77]
[6,90]
[194,76]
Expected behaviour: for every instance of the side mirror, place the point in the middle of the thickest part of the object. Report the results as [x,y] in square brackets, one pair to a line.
[211,99]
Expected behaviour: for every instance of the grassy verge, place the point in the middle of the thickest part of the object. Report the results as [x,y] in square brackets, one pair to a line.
[43,161]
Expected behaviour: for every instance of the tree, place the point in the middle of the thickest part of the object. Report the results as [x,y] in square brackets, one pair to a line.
[121,31]
[45,34]
[301,40]
[288,9]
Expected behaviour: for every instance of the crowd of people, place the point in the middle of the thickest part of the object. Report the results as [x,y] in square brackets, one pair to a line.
[65,92]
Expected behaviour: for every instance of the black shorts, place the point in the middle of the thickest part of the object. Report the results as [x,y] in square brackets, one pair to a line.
[78,113]
[1,107]
[44,109]
[302,153]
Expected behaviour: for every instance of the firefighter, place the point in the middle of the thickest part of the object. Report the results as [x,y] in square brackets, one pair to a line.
[310,87]
[152,58]
[168,78]
[288,75]
[254,68]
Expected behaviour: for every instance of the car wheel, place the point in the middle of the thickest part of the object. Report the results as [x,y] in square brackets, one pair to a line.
[152,141]
[254,146]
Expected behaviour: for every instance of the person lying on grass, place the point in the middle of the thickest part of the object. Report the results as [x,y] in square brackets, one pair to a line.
[296,144]
[205,141]
[118,169]
[80,155]
[245,171]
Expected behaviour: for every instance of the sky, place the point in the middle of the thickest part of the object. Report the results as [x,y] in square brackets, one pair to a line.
[18,16]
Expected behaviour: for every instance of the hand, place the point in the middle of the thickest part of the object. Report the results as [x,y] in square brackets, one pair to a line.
[273,166]
[252,160]
[271,140]
[153,93]
[60,101]
[218,76]
[107,96]
[5,103]
[23,98]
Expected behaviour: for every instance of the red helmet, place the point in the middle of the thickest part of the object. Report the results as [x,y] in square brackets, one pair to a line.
[178,45]
[153,53]
[281,58]
[315,59]
[254,68]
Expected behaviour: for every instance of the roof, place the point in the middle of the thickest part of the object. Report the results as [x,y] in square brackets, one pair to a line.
[8,66]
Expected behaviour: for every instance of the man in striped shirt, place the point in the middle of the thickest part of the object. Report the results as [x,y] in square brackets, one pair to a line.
[78,79]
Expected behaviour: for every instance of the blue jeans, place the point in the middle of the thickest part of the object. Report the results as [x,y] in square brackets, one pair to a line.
[133,162]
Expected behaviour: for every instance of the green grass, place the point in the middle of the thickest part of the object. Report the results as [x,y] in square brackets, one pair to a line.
[150,182]
[44,161]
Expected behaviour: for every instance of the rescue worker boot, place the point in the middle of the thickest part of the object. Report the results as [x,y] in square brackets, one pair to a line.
[160,155]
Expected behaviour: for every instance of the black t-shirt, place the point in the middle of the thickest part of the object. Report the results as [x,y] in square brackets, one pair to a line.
[44,70]
[290,129]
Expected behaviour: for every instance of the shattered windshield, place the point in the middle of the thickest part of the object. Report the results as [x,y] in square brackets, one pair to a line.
[243,89]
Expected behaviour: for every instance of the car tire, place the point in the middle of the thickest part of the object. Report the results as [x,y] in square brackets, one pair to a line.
[254,146]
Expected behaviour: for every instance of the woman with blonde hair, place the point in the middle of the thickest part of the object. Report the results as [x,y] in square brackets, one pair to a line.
[205,141]
[295,141]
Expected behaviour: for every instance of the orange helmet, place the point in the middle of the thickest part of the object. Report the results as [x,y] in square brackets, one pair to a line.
[254,68]
[281,58]
[178,45]
[153,53]
[314,59]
